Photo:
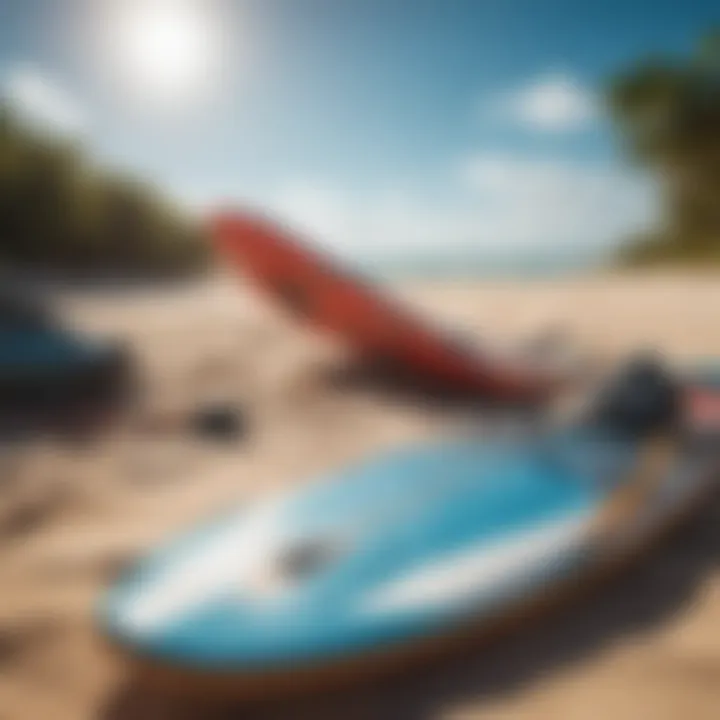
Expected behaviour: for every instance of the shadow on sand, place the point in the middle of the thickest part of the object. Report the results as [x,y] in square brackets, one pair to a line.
[659,587]
[399,385]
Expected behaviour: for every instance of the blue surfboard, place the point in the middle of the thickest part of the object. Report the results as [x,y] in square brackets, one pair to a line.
[408,548]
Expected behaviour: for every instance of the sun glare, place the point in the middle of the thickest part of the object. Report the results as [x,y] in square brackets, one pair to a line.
[166,49]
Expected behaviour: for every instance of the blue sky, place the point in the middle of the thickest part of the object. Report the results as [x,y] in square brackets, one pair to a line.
[376,125]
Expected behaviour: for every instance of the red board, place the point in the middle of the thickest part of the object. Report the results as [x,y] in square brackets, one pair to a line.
[313,287]
[702,407]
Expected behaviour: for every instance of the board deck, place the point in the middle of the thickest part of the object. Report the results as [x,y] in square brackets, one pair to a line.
[403,551]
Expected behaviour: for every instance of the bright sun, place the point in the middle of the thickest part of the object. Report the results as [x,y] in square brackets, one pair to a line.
[166,49]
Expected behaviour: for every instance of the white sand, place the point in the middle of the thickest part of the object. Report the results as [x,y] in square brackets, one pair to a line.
[647,647]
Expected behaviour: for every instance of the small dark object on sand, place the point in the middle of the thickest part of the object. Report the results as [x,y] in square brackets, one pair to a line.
[219,421]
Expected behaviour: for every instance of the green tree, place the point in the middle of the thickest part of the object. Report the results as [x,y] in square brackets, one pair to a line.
[58,210]
[668,114]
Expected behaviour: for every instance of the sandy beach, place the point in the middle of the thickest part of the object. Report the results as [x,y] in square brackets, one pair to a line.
[72,514]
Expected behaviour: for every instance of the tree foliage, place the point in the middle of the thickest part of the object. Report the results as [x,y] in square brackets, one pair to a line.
[59,211]
[668,114]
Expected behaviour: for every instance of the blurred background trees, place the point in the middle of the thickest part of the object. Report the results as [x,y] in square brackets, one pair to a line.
[59,212]
[668,114]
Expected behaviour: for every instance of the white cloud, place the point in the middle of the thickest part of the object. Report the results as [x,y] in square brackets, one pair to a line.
[554,102]
[490,204]
[41,100]
[539,202]
[315,208]
[386,220]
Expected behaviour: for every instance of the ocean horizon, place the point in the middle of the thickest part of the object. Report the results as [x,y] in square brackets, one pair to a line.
[536,265]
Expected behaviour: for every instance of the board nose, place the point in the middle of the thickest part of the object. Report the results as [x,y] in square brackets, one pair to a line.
[229,229]
[246,237]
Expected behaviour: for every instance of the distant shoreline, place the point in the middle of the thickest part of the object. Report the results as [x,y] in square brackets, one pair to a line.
[52,281]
